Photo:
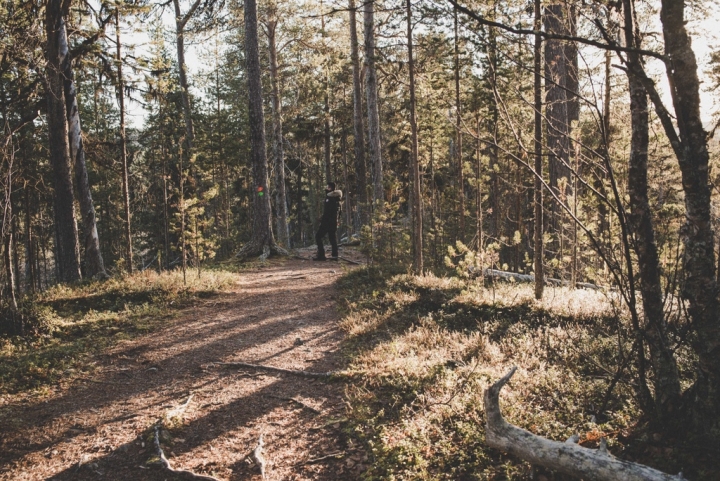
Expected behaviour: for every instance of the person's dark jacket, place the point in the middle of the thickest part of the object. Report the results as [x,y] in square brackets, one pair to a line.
[331,209]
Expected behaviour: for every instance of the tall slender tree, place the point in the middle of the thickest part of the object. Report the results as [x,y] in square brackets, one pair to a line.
[417,224]
[458,129]
[690,145]
[358,130]
[94,265]
[537,188]
[181,21]
[277,141]
[373,111]
[123,147]
[261,240]
[67,249]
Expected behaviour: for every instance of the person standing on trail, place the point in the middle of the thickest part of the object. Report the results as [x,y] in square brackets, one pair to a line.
[329,222]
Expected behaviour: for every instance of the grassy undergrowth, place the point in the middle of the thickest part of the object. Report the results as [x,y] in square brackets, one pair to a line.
[429,347]
[80,320]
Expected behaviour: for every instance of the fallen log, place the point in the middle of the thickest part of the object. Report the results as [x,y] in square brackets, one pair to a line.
[513,276]
[568,457]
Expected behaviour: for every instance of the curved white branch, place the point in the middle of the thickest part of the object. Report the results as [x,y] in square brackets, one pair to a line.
[567,457]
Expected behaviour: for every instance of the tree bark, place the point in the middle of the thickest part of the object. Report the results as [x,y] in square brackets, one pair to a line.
[700,286]
[8,231]
[666,377]
[67,250]
[371,90]
[326,107]
[359,134]
[94,265]
[261,241]
[278,151]
[417,227]
[180,23]
[123,148]
[458,132]
[537,188]
[30,258]
[558,110]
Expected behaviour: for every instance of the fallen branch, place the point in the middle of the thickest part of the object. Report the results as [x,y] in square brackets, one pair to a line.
[321,458]
[294,372]
[166,464]
[297,401]
[497,274]
[569,457]
[350,261]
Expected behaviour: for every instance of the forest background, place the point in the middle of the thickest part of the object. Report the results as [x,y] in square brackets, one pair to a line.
[522,137]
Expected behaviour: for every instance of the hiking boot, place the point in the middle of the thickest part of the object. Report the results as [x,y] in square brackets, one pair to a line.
[334,258]
[317,258]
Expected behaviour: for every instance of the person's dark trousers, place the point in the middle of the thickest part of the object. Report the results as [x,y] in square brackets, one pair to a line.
[330,231]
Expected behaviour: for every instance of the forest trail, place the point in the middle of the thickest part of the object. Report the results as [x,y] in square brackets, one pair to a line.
[98,427]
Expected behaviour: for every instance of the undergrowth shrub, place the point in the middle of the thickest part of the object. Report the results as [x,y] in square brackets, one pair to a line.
[428,347]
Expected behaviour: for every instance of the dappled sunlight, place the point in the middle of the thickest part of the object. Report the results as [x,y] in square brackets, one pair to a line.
[102,415]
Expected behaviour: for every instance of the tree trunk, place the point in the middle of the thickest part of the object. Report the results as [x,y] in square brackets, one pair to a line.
[180,22]
[458,133]
[700,287]
[666,378]
[261,241]
[359,134]
[414,167]
[558,71]
[371,89]
[8,232]
[67,248]
[537,188]
[94,265]
[326,108]
[30,260]
[123,148]
[278,152]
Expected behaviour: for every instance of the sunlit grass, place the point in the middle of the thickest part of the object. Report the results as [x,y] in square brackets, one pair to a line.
[428,348]
[80,320]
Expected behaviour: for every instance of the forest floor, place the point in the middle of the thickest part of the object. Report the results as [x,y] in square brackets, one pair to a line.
[96,422]
[413,355]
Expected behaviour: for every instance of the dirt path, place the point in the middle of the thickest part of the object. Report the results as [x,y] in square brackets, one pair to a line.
[281,315]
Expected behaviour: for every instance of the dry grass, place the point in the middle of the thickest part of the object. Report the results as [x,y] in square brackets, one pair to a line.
[79,320]
[429,347]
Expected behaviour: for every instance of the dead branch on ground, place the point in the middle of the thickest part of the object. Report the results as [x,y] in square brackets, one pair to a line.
[569,457]
[513,276]
[321,458]
[294,372]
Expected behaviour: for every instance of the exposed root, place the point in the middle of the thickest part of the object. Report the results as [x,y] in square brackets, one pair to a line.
[294,372]
[252,249]
[166,464]
[257,456]
[177,412]
[296,401]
